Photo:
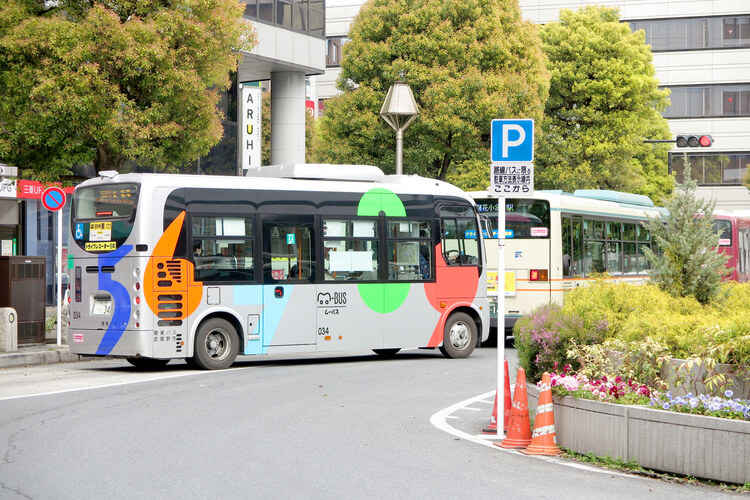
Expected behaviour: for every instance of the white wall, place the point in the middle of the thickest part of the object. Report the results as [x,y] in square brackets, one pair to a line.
[544,11]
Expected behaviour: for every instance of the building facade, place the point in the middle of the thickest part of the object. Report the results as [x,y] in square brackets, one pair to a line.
[701,53]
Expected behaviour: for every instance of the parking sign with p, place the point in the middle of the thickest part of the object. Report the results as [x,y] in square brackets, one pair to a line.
[512,141]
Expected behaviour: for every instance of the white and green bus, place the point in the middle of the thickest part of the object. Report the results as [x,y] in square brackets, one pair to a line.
[557,241]
[295,258]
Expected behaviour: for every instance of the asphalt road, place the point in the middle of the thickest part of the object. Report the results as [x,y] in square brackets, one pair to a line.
[348,426]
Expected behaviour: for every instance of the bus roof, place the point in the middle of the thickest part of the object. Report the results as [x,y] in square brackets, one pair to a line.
[593,201]
[300,177]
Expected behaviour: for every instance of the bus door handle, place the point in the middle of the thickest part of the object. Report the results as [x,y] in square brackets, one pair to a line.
[278,292]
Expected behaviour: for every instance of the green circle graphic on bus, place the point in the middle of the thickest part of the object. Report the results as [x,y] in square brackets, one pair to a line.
[382,297]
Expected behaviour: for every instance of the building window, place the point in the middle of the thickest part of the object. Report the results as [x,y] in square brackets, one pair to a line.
[711,168]
[333,50]
[301,16]
[709,101]
[695,33]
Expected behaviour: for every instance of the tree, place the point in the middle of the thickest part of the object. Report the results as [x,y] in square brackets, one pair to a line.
[467,62]
[688,262]
[87,82]
[603,102]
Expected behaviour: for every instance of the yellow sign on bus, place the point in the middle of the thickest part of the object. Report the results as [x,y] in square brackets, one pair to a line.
[100,246]
[510,282]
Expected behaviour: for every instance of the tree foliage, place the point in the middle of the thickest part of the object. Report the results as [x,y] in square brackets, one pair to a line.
[467,62]
[603,102]
[108,81]
[688,262]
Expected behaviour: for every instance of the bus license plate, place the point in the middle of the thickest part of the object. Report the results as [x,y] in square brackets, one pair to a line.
[102,307]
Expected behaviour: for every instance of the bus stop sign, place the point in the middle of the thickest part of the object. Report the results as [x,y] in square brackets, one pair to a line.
[53,198]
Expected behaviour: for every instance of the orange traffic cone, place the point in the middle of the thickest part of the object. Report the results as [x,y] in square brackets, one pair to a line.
[544,440]
[492,428]
[519,428]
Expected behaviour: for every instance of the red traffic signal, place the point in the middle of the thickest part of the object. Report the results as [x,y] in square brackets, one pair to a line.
[694,141]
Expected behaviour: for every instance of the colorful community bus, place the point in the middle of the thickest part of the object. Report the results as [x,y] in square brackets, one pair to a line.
[556,241]
[734,242]
[294,258]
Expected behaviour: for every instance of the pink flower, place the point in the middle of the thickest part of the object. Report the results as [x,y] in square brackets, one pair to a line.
[570,383]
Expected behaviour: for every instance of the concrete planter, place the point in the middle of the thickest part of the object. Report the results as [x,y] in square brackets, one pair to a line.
[695,445]
[738,380]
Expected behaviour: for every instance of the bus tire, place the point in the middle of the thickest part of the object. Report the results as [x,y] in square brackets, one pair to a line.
[148,363]
[459,336]
[215,345]
[387,353]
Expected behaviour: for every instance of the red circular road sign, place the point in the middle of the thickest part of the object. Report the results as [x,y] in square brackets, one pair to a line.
[53,198]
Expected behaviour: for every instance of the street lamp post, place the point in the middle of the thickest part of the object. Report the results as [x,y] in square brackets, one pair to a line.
[399,110]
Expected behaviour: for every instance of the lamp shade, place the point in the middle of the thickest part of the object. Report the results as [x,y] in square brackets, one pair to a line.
[399,108]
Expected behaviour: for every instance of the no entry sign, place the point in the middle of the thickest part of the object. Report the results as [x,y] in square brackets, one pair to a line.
[53,198]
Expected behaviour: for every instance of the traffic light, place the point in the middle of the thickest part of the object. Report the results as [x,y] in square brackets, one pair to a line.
[694,141]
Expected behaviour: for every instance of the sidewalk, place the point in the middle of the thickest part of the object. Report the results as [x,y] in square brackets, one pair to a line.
[40,354]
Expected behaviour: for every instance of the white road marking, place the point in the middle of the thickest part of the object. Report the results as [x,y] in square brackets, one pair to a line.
[439,421]
[119,384]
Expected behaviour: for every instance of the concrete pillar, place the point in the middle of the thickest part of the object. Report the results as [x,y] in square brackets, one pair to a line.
[8,329]
[287,117]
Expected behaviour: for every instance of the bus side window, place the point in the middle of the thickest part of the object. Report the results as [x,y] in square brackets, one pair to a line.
[222,247]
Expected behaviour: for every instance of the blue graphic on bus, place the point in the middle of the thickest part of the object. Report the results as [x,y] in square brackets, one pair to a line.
[120,297]
[508,234]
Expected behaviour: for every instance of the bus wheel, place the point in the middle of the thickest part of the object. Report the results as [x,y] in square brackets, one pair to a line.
[148,363]
[459,337]
[215,345]
[386,352]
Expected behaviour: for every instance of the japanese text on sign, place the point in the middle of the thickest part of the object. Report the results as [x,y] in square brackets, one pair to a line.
[512,178]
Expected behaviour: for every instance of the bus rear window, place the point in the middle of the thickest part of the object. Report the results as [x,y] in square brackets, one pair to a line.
[724,228]
[113,200]
[524,218]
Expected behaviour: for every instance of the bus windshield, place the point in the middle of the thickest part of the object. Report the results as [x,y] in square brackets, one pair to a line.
[111,200]
[524,218]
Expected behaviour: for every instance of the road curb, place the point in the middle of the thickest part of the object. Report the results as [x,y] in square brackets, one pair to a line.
[40,357]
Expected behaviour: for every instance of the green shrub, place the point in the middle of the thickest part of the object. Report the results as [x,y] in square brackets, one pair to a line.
[646,322]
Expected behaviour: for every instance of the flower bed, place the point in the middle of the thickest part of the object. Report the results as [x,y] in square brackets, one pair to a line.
[693,445]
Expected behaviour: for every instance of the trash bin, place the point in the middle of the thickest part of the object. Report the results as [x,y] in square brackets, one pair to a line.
[22,287]
[8,329]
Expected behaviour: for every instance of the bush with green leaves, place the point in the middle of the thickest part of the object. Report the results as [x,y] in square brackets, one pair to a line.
[647,323]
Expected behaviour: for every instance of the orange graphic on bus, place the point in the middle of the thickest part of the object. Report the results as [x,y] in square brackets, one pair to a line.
[168,281]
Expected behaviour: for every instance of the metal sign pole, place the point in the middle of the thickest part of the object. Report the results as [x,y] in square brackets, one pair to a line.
[59,277]
[500,317]
[512,172]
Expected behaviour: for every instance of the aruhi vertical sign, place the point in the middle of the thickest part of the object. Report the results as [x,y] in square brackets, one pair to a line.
[250,141]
